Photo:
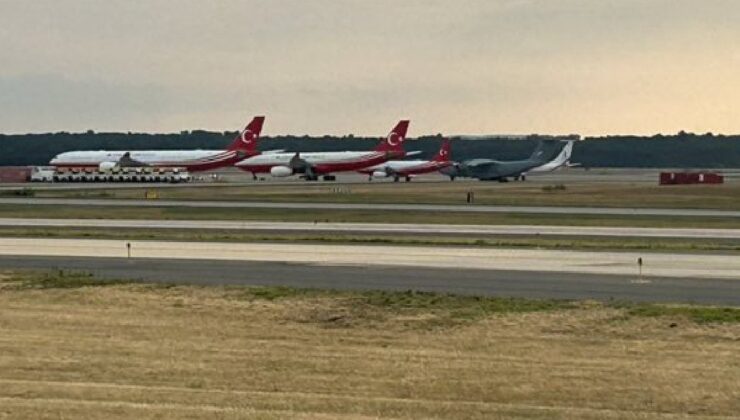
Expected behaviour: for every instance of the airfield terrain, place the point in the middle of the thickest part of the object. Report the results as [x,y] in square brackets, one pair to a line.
[581,294]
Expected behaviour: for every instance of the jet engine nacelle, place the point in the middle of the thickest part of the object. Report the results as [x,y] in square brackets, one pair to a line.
[106,166]
[281,171]
[379,174]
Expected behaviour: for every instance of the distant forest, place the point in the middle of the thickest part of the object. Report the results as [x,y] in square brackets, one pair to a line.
[682,150]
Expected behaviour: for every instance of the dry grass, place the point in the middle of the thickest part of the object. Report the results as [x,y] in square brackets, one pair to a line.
[138,351]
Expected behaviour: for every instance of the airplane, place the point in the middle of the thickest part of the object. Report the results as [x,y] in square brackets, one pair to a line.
[561,160]
[243,146]
[496,170]
[408,168]
[311,165]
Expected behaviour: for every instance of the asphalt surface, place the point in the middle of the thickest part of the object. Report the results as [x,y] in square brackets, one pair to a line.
[675,265]
[380,228]
[383,207]
[527,284]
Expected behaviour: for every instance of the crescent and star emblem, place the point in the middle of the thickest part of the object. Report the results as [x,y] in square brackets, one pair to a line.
[393,139]
[247,136]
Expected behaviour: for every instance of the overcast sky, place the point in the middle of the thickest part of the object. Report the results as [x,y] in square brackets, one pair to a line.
[338,67]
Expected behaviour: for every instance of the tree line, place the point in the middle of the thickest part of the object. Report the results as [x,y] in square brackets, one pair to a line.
[682,150]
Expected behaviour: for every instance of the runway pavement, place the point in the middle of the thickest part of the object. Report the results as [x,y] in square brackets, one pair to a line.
[387,207]
[702,278]
[380,228]
[527,284]
[673,265]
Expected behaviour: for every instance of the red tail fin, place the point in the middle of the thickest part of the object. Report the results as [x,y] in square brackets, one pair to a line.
[395,139]
[246,140]
[444,154]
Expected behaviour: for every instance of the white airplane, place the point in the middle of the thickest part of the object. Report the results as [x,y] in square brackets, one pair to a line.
[314,164]
[243,146]
[559,161]
[408,168]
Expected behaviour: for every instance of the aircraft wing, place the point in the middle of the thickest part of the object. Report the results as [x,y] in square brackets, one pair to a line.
[481,164]
[413,153]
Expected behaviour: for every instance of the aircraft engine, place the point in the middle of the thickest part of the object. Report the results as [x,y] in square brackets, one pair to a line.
[379,174]
[281,171]
[106,166]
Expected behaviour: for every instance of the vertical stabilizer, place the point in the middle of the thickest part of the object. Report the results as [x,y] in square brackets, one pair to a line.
[246,140]
[445,152]
[394,141]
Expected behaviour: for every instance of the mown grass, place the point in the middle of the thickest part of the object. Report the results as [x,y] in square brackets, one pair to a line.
[20,192]
[537,192]
[462,307]
[358,216]
[698,314]
[534,193]
[58,279]
[447,307]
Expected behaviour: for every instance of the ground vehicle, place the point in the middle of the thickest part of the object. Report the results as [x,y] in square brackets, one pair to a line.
[116,174]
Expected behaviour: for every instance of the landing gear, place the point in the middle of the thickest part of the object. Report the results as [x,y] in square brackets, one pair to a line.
[330,178]
[408,179]
[254,176]
[452,178]
[396,178]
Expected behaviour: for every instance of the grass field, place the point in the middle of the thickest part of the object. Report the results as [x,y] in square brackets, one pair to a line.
[725,196]
[73,348]
[579,243]
[368,216]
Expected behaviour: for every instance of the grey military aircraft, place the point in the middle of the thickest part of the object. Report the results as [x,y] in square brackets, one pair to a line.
[496,170]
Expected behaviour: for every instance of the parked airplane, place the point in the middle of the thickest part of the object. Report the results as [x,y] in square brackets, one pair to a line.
[243,146]
[561,160]
[314,164]
[408,168]
[496,170]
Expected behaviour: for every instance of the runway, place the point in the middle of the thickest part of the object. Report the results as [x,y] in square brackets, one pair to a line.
[381,228]
[705,278]
[378,207]
[525,284]
[673,265]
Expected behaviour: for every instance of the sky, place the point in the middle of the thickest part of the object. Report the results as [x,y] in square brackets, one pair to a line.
[591,67]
